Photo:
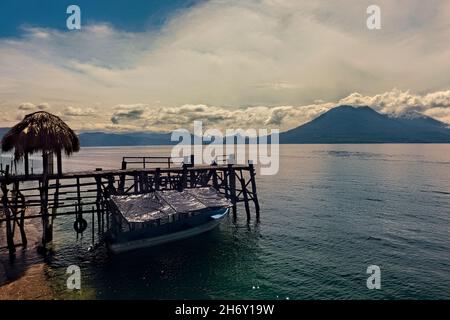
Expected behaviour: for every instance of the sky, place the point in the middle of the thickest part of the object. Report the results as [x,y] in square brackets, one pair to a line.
[159,65]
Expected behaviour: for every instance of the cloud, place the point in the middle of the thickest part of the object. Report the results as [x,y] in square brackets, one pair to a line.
[250,63]
[78,112]
[157,118]
[396,102]
[153,117]
[239,53]
[125,113]
[23,109]
[28,106]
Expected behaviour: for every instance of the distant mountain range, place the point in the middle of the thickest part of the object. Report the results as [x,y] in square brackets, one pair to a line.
[108,139]
[347,124]
[343,124]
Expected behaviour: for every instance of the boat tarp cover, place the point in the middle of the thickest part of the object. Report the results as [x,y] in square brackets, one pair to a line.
[142,208]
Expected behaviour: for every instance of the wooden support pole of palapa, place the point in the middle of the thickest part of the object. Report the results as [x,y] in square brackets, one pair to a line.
[26,163]
[59,163]
[55,200]
[47,228]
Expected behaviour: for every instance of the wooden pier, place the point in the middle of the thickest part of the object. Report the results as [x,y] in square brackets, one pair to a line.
[87,193]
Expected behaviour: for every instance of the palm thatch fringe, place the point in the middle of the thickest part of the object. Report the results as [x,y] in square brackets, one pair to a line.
[40,131]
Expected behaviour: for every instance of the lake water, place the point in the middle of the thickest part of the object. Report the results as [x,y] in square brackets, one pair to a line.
[330,212]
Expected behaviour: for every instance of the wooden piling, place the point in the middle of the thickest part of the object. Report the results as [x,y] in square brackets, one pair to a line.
[136,184]
[214,177]
[183,181]
[7,213]
[93,225]
[47,228]
[253,184]
[157,178]
[232,185]
[122,177]
[98,202]
[55,200]
[192,179]
[245,195]
[19,212]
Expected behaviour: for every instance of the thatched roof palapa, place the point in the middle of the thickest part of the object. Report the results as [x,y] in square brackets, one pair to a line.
[40,131]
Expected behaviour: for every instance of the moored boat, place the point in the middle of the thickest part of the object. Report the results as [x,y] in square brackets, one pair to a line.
[151,219]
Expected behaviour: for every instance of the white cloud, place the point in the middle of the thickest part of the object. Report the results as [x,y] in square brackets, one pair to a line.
[28,106]
[152,117]
[394,102]
[78,112]
[436,104]
[237,63]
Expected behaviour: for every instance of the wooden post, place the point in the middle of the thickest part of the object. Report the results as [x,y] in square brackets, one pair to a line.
[50,163]
[7,212]
[111,188]
[225,175]
[183,182]
[142,182]
[232,181]
[93,225]
[27,170]
[79,195]
[244,193]
[122,177]
[98,202]
[105,209]
[214,176]
[192,178]
[55,200]
[59,162]
[23,234]
[44,163]
[253,184]
[20,208]
[136,183]
[47,228]
[157,178]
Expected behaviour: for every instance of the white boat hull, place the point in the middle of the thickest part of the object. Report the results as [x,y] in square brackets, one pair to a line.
[159,240]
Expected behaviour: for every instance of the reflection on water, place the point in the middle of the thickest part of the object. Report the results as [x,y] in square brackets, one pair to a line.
[330,212]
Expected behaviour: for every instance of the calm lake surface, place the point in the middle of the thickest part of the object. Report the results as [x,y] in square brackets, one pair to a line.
[330,212]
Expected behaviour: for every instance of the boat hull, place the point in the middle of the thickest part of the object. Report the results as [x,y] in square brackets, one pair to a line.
[121,247]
